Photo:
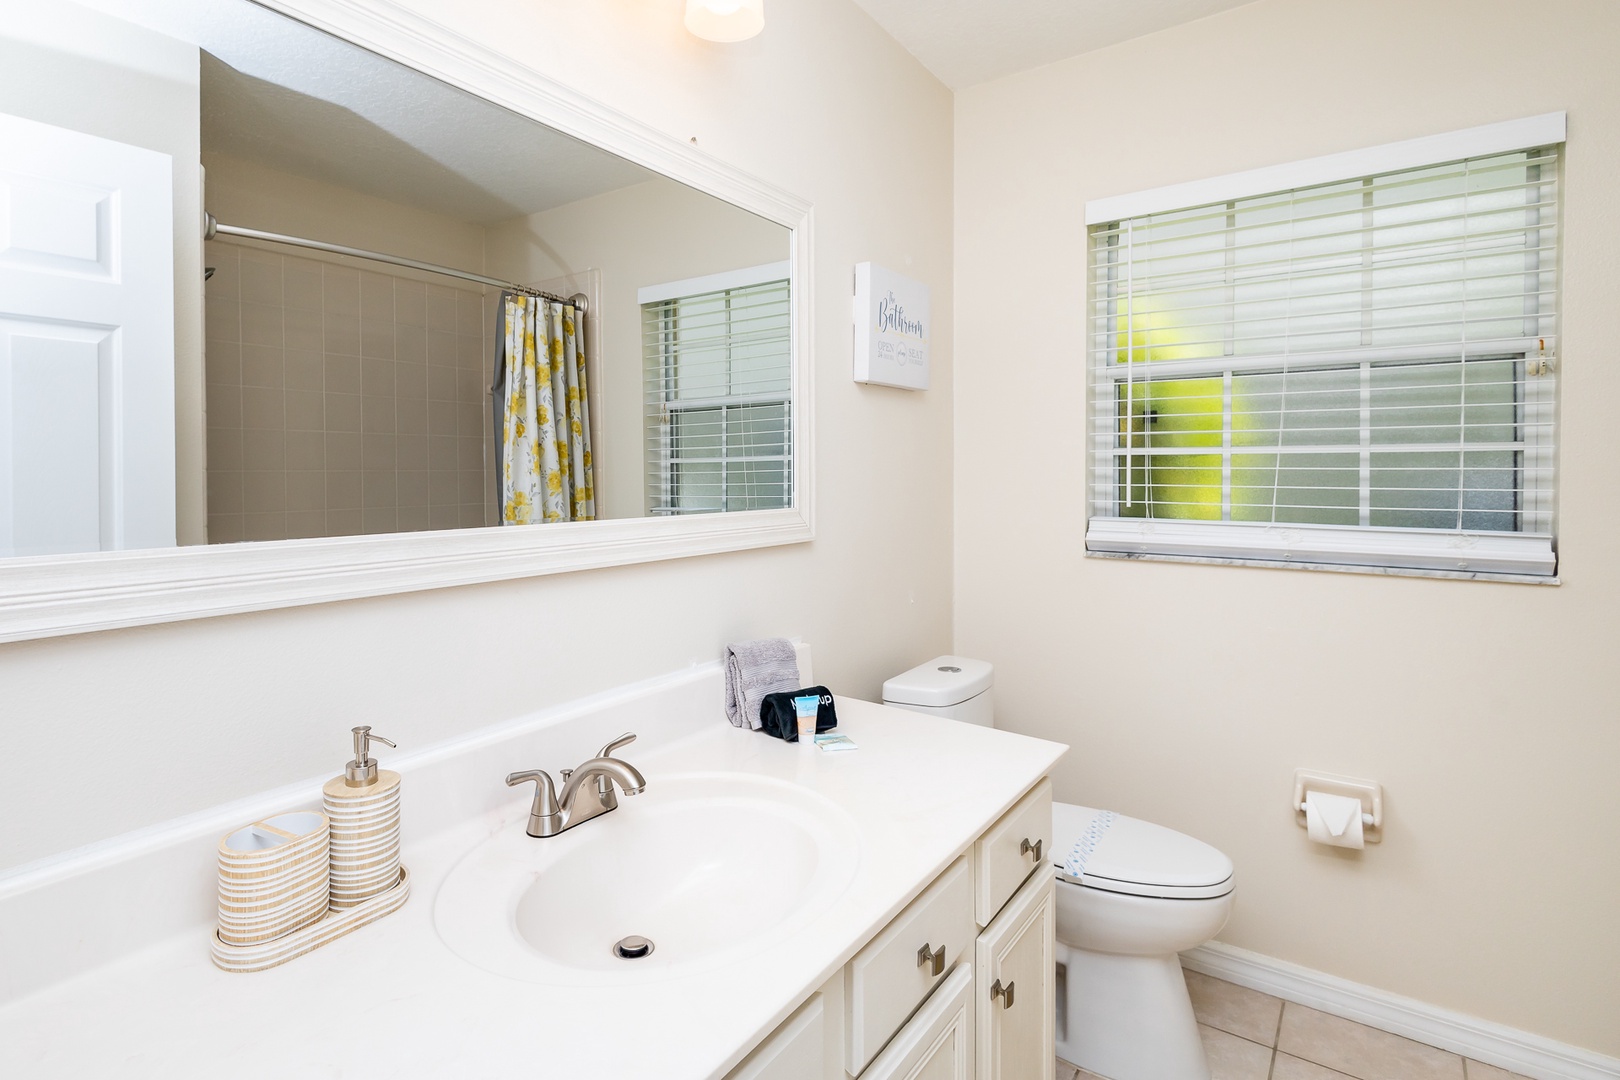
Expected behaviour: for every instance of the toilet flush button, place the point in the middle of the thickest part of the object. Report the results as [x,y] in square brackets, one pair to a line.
[947,668]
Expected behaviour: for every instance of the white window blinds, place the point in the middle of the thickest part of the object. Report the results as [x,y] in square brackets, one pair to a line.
[1357,372]
[719,404]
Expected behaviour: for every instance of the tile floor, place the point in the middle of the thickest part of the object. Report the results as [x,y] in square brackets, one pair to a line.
[1253,1036]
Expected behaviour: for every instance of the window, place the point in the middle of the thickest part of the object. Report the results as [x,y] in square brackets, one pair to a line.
[1353,371]
[718,353]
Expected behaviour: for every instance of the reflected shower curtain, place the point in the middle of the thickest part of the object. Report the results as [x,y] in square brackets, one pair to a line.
[542,408]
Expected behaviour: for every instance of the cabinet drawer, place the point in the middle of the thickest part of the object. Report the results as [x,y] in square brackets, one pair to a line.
[889,978]
[937,1044]
[1010,849]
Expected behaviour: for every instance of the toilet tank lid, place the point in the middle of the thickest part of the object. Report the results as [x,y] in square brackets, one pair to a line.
[942,681]
[1134,856]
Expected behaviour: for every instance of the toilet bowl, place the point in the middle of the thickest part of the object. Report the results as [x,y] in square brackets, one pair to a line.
[1133,897]
[1144,894]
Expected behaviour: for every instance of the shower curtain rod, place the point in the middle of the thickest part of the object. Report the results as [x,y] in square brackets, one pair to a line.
[212,227]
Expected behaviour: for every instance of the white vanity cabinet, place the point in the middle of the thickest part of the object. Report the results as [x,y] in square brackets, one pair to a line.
[959,986]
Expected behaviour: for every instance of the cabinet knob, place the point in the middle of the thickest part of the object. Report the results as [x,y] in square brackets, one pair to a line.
[936,957]
[1027,848]
[1003,992]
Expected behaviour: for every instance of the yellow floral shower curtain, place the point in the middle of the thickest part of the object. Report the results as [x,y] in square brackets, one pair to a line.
[545,459]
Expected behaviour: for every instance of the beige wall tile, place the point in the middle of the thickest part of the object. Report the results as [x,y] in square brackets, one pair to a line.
[341,333]
[340,290]
[1232,1058]
[379,414]
[343,450]
[342,374]
[223,319]
[470,451]
[303,369]
[377,377]
[343,491]
[376,339]
[225,282]
[1361,1051]
[442,488]
[384,520]
[470,419]
[447,516]
[471,517]
[411,451]
[303,329]
[224,406]
[301,285]
[264,491]
[342,522]
[306,450]
[224,492]
[413,488]
[441,418]
[261,324]
[441,309]
[379,451]
[1287,1067]
[342,412]
[411,414]
[306,410]
[381,489]
[306,491]
[307,524]
[224,449]
[410,344]
[441,348]
[263,407]
[263,448]
[1236,1009]
[414,519]
[1478,1070]
[223,363]
[261,366]
[264,526]
[410,303]
[224,528]
[261,277]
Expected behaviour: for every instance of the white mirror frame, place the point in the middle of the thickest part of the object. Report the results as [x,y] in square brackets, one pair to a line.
[46,596]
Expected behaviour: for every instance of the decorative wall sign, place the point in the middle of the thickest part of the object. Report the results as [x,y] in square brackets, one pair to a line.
[891,328]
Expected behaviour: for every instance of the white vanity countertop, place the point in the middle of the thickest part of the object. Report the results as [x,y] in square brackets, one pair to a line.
[391,1000]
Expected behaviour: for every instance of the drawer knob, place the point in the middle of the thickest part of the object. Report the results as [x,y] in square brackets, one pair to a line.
[1003,992]
[936,957]
[1027,848]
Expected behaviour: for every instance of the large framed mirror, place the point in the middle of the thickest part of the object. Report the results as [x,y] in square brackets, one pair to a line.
[301,302]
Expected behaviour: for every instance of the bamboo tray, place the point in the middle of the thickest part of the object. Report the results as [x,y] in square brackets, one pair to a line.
[336,923]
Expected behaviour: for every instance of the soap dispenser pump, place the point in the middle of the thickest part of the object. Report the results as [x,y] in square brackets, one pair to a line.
[363,806]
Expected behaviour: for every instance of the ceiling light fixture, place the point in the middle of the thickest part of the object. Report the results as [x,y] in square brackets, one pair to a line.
[725,20]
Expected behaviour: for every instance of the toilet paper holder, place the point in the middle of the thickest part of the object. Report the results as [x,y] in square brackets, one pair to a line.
[1369,792]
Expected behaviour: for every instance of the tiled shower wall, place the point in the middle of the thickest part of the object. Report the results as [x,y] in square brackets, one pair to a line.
[342,401]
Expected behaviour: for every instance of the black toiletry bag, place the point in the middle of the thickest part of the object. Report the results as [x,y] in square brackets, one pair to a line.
[778,717]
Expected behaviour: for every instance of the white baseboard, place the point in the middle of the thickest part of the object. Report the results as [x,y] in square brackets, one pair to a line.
[1494,1044]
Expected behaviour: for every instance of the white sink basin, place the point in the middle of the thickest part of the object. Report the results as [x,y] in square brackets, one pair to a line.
[703,865]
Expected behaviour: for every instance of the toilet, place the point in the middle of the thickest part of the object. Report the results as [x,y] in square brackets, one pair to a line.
[1132,896]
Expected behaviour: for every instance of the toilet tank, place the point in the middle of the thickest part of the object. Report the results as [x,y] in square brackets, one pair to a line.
[953,687]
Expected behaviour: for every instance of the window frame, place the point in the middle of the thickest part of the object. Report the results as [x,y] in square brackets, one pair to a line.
[665,460]
[1529,555]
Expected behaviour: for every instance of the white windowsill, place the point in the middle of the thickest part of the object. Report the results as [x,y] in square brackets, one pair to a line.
[1380,571]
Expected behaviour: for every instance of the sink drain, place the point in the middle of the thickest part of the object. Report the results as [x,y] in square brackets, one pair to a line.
[633,947]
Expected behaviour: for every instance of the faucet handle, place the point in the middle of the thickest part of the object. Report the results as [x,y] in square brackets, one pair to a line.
[545,816]
[623,740]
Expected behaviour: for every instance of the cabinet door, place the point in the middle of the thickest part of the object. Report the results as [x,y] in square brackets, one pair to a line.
[938,1042]
[1015,987]
[794,1051]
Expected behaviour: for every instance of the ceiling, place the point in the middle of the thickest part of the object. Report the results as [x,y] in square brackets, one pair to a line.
[286,96]
[964,42]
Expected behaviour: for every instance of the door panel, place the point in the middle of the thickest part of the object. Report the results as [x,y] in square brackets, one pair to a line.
[1015,1028]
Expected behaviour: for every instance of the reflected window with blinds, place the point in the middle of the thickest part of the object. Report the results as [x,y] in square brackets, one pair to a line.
[718,359]
[1356,372]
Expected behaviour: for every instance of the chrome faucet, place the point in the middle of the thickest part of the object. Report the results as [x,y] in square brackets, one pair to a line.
[580,800]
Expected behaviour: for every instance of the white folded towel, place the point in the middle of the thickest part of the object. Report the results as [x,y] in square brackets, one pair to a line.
[754,669]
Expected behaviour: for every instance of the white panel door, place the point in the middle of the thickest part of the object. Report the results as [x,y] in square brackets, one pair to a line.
[86,342]
[1015,996]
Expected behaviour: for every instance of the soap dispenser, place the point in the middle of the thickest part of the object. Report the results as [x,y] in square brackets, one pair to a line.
[363,805]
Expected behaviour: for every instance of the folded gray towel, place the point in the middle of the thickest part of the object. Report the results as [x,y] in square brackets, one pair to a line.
[754,669]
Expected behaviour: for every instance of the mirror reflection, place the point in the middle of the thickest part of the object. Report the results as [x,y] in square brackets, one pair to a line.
[414,310]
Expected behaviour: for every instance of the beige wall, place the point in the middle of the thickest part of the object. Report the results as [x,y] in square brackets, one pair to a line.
[164,720]
[117,81]
[1190,693]
[645,234]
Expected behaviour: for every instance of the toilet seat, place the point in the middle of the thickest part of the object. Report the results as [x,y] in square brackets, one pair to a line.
[1139,858]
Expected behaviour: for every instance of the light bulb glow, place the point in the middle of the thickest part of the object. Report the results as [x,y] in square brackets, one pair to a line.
[725,20]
